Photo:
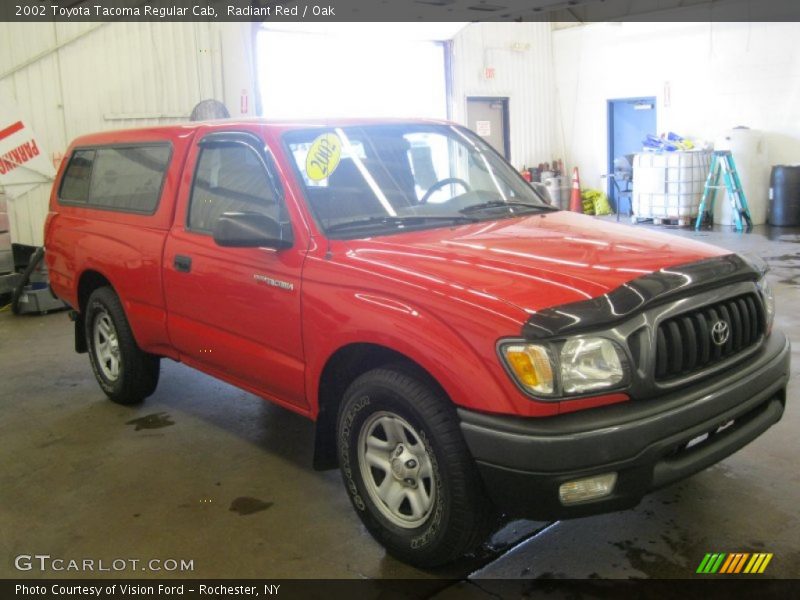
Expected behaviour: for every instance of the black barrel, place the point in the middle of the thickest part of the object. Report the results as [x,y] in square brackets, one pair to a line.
[784,207]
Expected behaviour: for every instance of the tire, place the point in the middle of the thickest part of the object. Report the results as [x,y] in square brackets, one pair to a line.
[407,470]
[125,373]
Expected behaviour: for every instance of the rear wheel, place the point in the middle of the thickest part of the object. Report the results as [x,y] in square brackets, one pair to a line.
[125,373]
[406,467]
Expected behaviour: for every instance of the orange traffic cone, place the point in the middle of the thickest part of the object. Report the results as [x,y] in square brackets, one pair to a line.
[575,202]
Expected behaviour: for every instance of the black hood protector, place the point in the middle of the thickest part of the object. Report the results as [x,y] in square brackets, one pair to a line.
[643,292]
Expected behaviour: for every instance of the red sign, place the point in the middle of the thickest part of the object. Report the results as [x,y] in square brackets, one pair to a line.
[18,155]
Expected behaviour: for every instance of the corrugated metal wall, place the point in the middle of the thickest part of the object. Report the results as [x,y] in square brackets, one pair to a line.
[521,54]
[67,79]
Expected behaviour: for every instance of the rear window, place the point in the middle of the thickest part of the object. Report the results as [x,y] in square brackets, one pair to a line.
[126,179]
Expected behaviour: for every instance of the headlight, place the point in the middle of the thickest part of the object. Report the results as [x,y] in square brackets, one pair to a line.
[578,366]
[769,301]
[589,364]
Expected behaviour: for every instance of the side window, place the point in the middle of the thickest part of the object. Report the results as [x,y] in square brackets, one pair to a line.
[75,186]
[124,178]
[129,179]
[230,178]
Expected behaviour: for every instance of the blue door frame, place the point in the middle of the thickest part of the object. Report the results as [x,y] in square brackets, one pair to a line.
[628,124]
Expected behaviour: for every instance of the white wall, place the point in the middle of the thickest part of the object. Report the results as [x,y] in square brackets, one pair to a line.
[721,75]
[68,79]
[522,58]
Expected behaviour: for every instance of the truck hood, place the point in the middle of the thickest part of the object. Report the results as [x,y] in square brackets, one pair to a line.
[532,262]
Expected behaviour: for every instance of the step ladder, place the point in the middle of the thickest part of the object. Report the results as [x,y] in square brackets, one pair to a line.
[722,165]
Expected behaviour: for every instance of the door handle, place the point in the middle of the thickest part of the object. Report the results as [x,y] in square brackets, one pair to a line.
[182,263]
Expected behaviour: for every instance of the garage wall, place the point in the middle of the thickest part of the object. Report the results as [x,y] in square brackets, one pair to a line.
[719,75]
[521,55]
[68,79]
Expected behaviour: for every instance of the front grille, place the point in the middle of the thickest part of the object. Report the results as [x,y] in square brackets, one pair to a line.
[688,343]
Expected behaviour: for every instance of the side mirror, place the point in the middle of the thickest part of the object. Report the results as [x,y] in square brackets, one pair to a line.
[250,230]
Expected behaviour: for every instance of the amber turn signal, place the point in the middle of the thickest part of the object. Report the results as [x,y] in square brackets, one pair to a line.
[530,364]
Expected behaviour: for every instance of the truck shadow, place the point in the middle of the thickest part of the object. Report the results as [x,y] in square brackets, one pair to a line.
[269,427]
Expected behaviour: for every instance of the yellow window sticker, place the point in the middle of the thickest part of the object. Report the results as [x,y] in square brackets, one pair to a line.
[323,157]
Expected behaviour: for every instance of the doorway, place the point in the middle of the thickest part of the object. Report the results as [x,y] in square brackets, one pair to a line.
[629,121]
[488,117]
[355,79]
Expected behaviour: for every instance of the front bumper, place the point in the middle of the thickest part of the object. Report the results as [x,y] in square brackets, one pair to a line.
[524,461]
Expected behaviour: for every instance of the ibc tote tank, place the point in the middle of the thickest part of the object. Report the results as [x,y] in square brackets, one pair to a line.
[749,150]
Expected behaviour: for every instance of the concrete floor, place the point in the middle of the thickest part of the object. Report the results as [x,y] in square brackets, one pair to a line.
[205,472]
[201,471]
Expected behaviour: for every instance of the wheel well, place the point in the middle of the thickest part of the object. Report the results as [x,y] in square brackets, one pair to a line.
[340,371]
[89,282]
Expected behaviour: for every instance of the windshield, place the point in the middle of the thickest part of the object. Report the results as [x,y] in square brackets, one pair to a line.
[381,179]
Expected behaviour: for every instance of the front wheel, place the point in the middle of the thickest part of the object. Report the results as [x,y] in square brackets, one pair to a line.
[125,373]
[408,472]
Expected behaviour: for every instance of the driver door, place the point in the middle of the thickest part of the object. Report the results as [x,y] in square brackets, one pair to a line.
[235,312]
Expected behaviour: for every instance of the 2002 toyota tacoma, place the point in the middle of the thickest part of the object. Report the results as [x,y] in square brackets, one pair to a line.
[464,348]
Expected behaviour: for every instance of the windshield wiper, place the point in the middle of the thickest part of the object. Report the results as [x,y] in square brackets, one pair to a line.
[399,221]
[511,205]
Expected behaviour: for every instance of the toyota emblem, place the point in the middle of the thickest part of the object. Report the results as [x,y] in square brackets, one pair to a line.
[720,332]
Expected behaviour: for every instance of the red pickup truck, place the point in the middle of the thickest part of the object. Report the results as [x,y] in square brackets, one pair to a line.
[465,349]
